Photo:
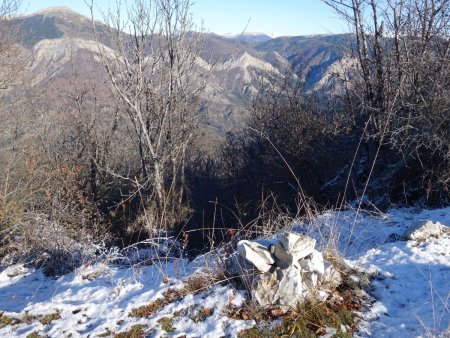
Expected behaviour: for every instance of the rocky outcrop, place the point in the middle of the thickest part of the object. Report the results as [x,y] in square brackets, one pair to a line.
[283,272]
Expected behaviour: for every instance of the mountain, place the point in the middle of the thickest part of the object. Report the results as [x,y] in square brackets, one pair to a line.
[248,37]
[59,40]
[311,56]
[53,23]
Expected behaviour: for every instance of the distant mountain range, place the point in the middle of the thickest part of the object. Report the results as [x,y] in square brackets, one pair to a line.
[58,37]
[248,37]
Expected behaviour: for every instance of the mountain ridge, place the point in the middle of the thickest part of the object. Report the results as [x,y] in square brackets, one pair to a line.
[238,64]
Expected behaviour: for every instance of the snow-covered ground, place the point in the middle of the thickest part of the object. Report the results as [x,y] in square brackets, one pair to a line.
[411,287]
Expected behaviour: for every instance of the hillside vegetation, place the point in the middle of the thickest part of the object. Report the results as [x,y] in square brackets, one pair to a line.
[139,132]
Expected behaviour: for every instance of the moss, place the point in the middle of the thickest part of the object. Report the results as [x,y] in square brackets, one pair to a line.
[166,324]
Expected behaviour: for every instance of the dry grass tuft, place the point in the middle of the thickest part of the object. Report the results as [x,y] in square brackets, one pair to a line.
[136,331]
[167,324]
[201,314]
[192,285]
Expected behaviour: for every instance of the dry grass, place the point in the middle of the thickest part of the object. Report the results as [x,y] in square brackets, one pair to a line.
[312,318]
[43,319]
[28,319]
[167,324]
[35,335]
[192,285]
[136,331]
[6,320]
[201,314]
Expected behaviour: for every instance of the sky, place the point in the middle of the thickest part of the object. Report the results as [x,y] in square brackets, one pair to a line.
[273,17]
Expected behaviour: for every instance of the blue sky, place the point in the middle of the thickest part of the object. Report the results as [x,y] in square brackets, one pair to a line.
[273,17]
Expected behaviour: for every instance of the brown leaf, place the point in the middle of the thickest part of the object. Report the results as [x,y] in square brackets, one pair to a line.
[276,312]
[321,331]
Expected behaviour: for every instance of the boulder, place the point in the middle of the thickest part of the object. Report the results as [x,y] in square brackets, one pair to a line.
[310,282]
[238,266]
[263,288]
[425,231]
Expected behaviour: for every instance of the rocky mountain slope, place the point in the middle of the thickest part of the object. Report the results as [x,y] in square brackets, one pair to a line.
[59,40]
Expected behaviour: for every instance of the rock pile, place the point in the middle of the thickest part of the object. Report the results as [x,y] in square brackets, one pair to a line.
[283,272]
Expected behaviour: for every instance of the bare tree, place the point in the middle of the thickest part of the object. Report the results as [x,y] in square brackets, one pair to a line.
[155,69]
[8,43]
[403,53]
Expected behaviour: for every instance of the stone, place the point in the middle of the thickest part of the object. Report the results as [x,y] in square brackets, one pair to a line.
[283,259]
[310,281]
[283,272]
[257,254]
[331,277]
[313,263]
[290,288]
[425,231]
[238,266]
[264,287]
[299,246]
[283,288]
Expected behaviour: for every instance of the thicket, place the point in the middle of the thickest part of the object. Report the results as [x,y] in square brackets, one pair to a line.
[81,164]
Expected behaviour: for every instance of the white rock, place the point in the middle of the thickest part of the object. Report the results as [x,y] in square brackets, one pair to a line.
[310,282]
[299,246]
[264,288]
[290,288]
[257,254]
[283,288]
[332,278]
[291,270]
[283,259]
[313,263]
[329,332]
[425,231]
[322,295]
[238,266]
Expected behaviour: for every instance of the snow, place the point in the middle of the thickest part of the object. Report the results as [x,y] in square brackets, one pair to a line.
[412,283]
[92,306]
[244,34]
[410,288]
